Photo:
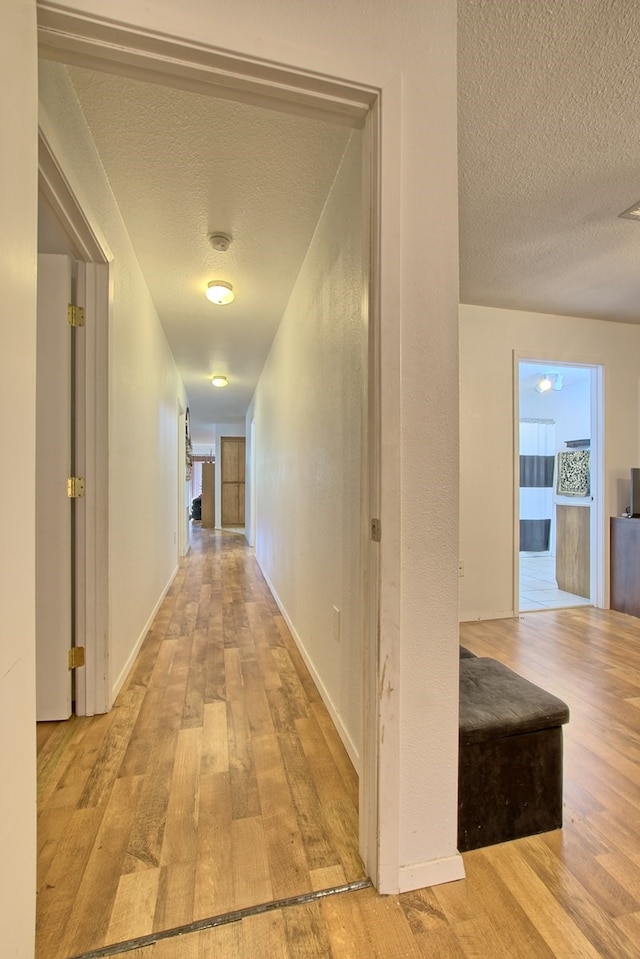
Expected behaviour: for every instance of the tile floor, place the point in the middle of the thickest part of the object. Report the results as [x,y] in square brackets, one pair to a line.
[538,587]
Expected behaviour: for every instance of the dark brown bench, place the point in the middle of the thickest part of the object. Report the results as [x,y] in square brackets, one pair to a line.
[510,760]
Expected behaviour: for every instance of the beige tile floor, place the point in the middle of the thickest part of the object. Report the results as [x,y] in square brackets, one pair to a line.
[538,587]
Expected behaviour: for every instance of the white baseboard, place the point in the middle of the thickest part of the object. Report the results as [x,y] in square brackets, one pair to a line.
[120,681]
[422,874]
[474,616]
[347,742]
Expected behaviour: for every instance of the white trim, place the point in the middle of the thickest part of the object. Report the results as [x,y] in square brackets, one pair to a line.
[96,331]
[126,669]
[433,873]
[84,238]
[92,680]
[475,616]
[88,41]
[347,742]
[600,542]
[383,689]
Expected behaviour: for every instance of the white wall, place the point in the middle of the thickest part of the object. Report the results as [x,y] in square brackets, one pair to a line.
[488,339]
[144,396]
[18,172]
[308,415]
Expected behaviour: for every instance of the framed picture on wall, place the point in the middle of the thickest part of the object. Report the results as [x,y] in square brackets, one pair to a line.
[574,473]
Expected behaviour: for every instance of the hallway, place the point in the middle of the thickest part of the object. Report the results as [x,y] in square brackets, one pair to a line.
[217,782]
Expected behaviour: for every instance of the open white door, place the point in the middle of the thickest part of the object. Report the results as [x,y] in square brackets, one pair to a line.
[53,507]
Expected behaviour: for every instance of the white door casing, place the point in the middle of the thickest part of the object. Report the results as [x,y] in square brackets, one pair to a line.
[92,255]
[53,507]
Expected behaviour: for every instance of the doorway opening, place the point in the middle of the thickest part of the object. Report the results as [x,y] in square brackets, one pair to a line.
[64,232]
[357,109]
[559,489]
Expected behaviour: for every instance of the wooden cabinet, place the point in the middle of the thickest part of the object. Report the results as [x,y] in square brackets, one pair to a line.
[625,565]
[573,544]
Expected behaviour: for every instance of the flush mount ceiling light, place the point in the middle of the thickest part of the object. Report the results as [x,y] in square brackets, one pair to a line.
[219,380]
[549,381]
[220,292]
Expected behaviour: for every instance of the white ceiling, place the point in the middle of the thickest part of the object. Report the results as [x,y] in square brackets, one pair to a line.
[549,141]
[184,165]
[529,374]
[549,147]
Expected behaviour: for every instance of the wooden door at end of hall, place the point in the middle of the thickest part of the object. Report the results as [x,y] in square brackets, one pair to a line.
[232,477]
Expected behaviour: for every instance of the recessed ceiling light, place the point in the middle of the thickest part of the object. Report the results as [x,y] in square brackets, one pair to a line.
[220,292]
[633,213]
[219,380]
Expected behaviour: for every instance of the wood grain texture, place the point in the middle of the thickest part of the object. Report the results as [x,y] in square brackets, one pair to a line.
[160,833]
[197,794]
[573,550]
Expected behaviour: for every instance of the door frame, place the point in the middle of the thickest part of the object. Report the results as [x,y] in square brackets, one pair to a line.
[597,557]
[97,43]
[92,686]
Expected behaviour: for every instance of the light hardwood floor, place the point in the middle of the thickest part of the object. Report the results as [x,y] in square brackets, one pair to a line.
[217,782]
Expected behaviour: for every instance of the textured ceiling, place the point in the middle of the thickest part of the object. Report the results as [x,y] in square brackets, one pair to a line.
[549,156]
[184,165]
[549,141]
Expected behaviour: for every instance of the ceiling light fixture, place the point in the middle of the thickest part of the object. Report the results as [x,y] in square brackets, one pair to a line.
[544,384]
[633,213]
[220,292]
[549,381]
[219,380]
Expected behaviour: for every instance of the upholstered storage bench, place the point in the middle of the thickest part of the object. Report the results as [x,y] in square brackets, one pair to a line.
[510,761]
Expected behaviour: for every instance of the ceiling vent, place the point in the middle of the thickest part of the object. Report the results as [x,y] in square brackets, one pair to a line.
[633,213]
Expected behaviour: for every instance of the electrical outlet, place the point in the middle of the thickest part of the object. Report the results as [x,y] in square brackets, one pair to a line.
[460,567]
[336,624]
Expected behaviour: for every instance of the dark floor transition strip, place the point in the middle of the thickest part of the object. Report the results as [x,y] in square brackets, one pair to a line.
[236,916]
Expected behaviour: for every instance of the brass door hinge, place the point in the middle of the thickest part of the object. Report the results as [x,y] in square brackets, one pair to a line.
[75,315]
[76,657]
[376,530]
[75,487]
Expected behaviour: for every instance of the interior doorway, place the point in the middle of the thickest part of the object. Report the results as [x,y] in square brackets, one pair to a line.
[360,102]
[558,556]
[65,231]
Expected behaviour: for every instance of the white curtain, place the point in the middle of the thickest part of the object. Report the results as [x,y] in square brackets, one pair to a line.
[537,454]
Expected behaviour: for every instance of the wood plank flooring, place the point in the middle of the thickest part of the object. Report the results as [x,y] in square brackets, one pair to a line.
[229,789]
[217,781]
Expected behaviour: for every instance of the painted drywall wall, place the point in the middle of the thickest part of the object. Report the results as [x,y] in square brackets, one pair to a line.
[18,172]
[488,339]
[145,391]
[308,427]
[408,52]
